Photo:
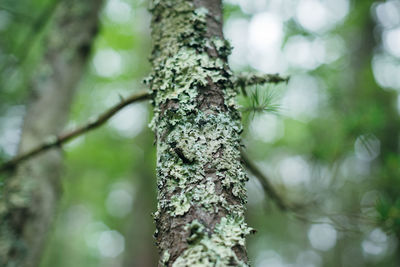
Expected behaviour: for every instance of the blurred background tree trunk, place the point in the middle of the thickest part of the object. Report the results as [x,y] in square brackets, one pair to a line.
[140,223]
[367,96]
[200,215]
[30,195]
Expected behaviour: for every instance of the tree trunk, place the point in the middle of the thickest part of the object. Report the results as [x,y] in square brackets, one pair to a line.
[201,197]
[30,195]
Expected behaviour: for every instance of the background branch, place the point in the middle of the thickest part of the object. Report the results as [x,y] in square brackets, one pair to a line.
[63,138]
[264,181]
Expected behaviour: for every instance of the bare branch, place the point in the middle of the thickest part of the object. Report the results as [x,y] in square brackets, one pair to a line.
[264,181]
[63,138]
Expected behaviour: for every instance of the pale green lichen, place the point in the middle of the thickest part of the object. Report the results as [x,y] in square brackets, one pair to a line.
[196,230]
[200,145]
[217,249]
[197,68]
[198,150]
[231,231]
[165,257]
[223,47]
[179,204]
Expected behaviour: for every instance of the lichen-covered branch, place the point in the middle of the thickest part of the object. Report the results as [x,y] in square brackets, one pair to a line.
[201,199]
[30,195]
[58,140]
[248,79]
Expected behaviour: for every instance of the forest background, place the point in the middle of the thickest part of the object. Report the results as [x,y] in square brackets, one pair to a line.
[328,140]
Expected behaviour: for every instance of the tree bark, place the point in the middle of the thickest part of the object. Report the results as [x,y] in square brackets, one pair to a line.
[30,194]
[201,183]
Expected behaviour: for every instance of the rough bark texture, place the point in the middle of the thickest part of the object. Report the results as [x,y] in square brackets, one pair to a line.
[200,215]
[29,196]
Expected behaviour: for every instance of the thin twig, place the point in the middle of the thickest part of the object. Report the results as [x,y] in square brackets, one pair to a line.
[63,138]
[264,181]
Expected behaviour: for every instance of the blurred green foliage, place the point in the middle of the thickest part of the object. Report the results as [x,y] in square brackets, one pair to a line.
[332,149]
